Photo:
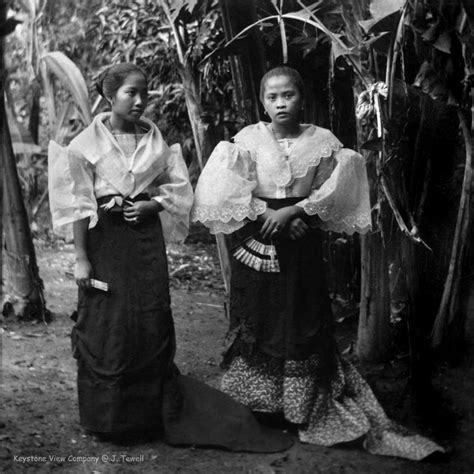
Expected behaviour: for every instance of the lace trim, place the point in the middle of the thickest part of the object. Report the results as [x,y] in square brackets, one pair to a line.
[338,222]
[349,229]
[306,151]
[229,217]
[299,169]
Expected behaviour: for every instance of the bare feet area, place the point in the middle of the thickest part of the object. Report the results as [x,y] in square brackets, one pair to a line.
[39,426]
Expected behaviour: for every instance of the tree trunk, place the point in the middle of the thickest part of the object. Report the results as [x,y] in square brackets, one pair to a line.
[464,329]
[204,138]
[34,121]
[450,320]
[247,69]
[195,112]
[205,142]
[374,334]
[374,330]
[468,293]
[3,15]
[23,282]
[248,66]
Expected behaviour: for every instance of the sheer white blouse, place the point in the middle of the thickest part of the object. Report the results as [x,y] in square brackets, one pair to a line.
[330,180]
[97,164]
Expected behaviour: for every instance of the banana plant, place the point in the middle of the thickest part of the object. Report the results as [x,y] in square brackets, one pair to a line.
[201,129]
[25,285]
[56,65]
[375,48]
[305,16]
[23,275]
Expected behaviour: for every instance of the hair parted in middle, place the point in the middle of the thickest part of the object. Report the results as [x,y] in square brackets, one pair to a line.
[287,71]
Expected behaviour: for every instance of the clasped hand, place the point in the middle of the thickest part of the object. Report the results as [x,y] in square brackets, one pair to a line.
[140,210]
[283,220]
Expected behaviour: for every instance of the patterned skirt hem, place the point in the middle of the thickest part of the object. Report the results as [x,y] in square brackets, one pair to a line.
[343,412]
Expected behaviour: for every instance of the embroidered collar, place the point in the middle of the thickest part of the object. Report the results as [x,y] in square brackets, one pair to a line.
[284,166]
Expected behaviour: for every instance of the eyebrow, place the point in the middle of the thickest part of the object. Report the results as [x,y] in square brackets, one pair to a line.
[130,87]
[283,92]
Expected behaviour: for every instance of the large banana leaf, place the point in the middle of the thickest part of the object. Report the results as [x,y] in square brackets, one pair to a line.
[33,7]
[306,16]
[71,78]
[68,124]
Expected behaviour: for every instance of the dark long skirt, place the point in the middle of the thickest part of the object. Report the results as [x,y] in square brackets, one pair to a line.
[282,356]
[124,343]
[124,339]
[286,315]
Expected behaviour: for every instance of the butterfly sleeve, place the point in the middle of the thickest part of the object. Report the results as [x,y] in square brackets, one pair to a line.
[340,196]
[175,194]
[223,199]
[71,187]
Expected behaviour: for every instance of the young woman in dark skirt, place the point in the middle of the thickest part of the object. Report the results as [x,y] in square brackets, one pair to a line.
[125,191]
[272,191]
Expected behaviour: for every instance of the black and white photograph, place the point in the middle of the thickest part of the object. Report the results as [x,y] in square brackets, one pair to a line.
[236,236]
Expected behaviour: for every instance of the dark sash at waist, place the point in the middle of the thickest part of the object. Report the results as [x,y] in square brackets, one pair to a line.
[276,204]
[105,199]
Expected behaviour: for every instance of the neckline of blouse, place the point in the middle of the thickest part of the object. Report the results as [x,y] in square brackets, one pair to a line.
[128,161]
[108,125]
[303,127]
[290,141]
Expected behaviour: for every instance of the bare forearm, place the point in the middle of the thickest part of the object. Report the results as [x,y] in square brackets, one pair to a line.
[79,229]
[296,211]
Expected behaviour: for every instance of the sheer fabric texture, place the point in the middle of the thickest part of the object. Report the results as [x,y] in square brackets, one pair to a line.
[331,180]
[281,354]
[95,165]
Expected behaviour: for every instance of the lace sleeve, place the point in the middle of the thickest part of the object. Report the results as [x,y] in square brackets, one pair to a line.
[175,194]
[342,201]
[223,199]
[71,188]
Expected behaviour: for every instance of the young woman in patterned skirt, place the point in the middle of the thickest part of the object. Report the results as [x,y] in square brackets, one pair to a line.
[272,191]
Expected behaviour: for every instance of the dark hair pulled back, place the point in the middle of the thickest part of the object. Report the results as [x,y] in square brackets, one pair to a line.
[287,71]
[110,80]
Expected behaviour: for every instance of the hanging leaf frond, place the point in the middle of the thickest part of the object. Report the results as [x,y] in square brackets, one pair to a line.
[71,78]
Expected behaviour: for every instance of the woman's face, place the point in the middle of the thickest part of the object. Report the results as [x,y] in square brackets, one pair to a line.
[282,100]
[131,98]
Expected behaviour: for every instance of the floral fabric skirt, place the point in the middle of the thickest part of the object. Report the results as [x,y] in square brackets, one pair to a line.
[327,412]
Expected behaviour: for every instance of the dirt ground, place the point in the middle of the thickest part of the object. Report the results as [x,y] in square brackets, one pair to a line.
[39,429]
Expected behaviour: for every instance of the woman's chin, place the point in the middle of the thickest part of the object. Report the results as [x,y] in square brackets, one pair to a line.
[135,116]
[285,120]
